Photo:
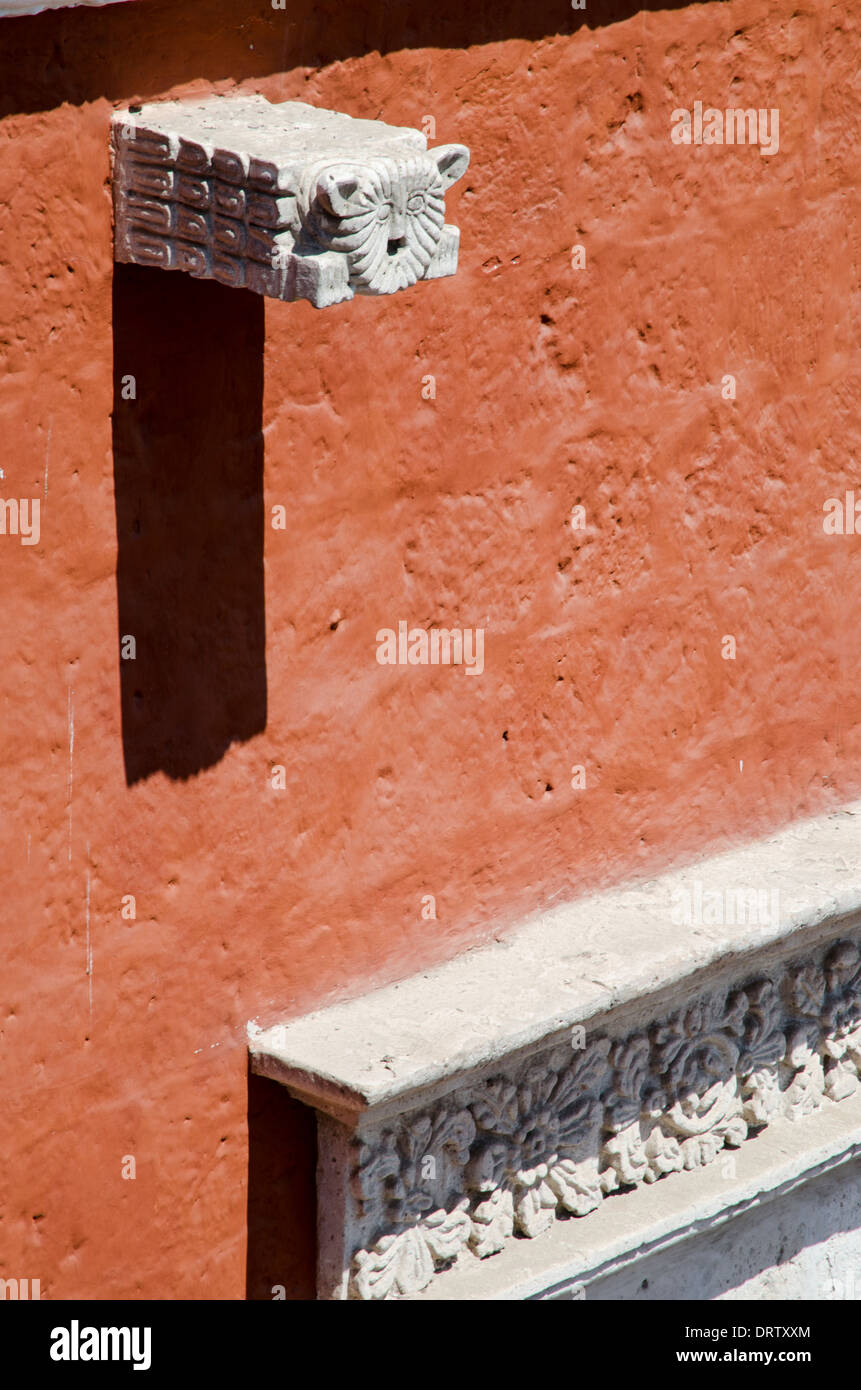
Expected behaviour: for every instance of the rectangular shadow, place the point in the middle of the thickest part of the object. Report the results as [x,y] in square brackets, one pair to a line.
[142,50]
[282,1194]
[188,479]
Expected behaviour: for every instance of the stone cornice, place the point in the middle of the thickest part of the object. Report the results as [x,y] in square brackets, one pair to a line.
[288,200]
[609,1044]
[567,965]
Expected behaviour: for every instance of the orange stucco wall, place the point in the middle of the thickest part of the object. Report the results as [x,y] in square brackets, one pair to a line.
[256,647]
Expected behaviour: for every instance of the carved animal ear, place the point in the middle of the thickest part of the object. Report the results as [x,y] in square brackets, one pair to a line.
[452,161]
[336,187]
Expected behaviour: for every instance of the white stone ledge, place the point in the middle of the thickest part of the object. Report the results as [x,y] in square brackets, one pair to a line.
[561,968]
[604,1047]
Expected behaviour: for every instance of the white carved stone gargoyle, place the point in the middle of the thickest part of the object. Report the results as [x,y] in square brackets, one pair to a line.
[288,200]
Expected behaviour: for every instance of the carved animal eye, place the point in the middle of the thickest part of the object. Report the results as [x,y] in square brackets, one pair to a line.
[384,212]
[415,202]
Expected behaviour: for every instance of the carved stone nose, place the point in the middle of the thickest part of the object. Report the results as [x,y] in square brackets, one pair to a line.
[397,225]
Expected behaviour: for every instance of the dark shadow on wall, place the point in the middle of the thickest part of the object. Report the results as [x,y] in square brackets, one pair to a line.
[188,480]
[142,48]
[282,1194]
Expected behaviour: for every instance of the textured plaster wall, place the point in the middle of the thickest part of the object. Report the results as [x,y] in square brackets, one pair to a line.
[256,647]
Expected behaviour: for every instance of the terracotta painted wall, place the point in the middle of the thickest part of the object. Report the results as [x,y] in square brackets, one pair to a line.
[256,647]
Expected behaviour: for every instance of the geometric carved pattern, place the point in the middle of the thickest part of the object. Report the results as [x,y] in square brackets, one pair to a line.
[284,199]
[552,1138]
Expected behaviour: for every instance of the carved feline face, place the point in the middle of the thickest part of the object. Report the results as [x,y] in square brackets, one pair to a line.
[385,214]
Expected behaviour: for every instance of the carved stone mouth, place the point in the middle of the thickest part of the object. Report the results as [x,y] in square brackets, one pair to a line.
[395,245]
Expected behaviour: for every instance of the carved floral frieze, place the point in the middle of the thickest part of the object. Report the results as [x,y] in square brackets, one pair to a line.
[550,1139]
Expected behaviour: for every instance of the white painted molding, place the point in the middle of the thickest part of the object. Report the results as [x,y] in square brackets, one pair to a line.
[9,8]
[288,200]
[606,1046]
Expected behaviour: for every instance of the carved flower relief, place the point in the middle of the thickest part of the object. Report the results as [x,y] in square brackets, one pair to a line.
[801,1072]
[804,990]
[696,1053]
[400,1266]
[492,1222]
[538,1149]
[842,1021]
[699,1043]
[405,1181]
[763,1046]
[414,1169]
[630,1116]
